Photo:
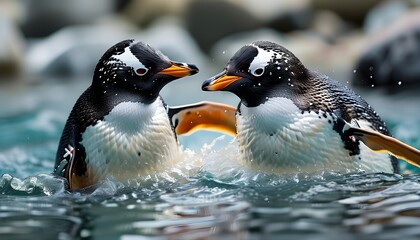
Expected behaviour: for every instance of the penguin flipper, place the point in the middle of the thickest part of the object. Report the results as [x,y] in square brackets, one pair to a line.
[77,171]
[73,168]
[382,143]
[203,116]
[70,158]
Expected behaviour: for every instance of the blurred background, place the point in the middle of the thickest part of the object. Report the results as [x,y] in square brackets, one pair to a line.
[48,51]
[49,48]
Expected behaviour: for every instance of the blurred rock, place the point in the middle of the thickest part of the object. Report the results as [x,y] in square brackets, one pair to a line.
[11,9]
[283,16]
[387,12]
[11,48]
[334,60]
[329,26]
[73,51]
[352,11]
[391,57]
[43,17]
[267,10]
[145,12]
[291,21]
[210,20]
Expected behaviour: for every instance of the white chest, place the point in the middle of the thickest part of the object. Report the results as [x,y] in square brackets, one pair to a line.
[131,140]
[277,136]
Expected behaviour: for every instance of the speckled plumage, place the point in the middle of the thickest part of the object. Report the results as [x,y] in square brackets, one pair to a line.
[288,115]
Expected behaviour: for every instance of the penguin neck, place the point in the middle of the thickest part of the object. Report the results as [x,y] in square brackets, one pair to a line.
[293,90]
[269,116]
[116,91]
[251,97]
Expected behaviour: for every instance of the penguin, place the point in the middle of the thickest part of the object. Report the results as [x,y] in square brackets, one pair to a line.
[290,118]
[120,127]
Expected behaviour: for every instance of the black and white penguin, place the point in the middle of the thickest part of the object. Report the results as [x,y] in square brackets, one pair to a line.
[291,118]
[120,126]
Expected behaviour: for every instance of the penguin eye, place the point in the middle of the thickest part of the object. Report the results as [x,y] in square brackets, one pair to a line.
[141,71]
[258,72]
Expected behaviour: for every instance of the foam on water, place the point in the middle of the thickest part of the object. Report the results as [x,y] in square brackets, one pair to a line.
[210,193]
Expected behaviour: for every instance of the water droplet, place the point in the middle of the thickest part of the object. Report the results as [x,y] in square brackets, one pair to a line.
[224,52]
[104,91]
[370,68]
[354,71]
[373,85]
[278,68]
[399,83]
[370,76]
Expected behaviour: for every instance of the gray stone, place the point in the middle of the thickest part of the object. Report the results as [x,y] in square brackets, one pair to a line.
[391,58]
[144,12]
[12,47]
[283,16]
[209,21]
[43,17]
[329,26]
[387,12]
[352,11]
[72,51]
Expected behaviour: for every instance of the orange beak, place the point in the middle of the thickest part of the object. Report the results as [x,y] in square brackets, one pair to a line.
[180,70]
[219,82]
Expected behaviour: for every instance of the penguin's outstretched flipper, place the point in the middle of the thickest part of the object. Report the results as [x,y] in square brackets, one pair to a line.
[203,116]
[382,143]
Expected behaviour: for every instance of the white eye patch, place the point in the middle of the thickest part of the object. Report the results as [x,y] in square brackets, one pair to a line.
[257,66]
[128,58]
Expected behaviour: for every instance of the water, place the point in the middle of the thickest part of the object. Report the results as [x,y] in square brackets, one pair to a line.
[208,195]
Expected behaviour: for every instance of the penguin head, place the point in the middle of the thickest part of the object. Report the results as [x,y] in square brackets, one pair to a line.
[138,68]
[256,71]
